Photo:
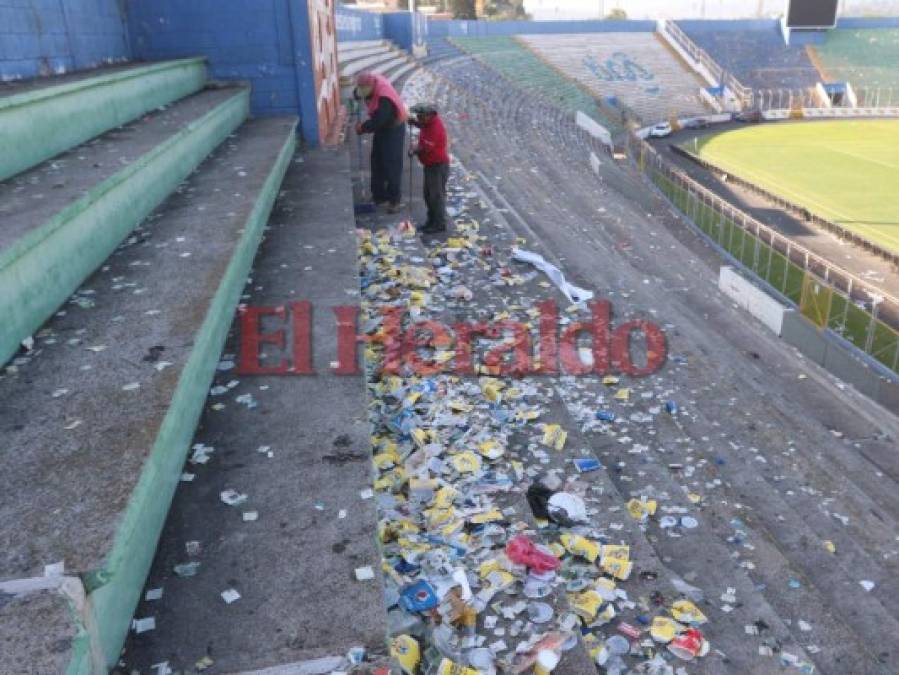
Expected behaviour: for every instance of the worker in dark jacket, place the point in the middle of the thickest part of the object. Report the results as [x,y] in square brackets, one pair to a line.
[433,153]
[386,120]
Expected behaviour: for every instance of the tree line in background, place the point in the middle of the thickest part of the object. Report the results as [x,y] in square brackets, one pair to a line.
[493,9]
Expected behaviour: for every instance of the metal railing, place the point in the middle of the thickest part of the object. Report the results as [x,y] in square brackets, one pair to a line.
[824,293]
[702,57]
[844,233]
[877,97]
[811,97]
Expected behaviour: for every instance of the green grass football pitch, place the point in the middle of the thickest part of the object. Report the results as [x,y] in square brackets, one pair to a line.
[846,171]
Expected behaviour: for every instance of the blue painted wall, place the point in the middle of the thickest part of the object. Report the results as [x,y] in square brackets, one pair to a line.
[356,24]
[243,40]
[42,37]
[406,30]
[398,29]
[496,28]
[865,22]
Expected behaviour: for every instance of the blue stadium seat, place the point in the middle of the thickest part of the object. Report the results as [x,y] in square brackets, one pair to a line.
[754,52]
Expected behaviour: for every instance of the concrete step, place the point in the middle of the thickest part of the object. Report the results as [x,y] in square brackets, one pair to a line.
[345,58]
[63,218]
[359,45]
[43,623]
[142,337]
[387,66]
[396,74]
[295,566]
[368,63]
[44,117]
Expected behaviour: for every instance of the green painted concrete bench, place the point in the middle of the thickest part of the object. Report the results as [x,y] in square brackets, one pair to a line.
[41,118]
[63,218]
[97,423]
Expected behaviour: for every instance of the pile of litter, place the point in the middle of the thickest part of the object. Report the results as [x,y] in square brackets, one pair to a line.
[495,556]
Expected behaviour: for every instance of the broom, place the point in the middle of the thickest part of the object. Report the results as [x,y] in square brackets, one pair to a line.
[366,205]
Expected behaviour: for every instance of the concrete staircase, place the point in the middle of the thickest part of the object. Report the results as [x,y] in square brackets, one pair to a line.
[148,230]
[377,56]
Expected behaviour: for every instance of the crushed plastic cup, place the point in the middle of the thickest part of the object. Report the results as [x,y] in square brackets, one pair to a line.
[491,449]
[466,462]
[666,522]
[586,604]
[564,506]
[482,659]
[580,546]
[554,436]
[618,645]
[448,667]
[689,522]
[547,660]
[535,587]
[688,645]
[418,597]
[522,551]
[540,612]
[686,612]
[406,651]
[641,509]
[615,561]
[663,629]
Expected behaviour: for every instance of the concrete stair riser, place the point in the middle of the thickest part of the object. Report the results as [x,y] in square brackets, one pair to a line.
[361,65]
[43,268]
[346,58]
[356,45]
[39,124]
[388,66]
[115,590]
[397,73]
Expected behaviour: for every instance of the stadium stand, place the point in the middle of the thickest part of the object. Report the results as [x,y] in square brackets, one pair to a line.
[865,58]
[165,263]
[754,51]
[634,68]
[524,69]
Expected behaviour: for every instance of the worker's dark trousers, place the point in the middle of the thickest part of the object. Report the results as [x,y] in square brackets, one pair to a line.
[387,152]
[435,194]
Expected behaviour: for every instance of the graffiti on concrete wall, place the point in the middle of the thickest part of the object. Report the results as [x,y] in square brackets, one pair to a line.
[619,68]
[323,29]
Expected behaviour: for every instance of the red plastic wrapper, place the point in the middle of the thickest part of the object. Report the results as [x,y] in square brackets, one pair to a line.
[629,629]
[522,551]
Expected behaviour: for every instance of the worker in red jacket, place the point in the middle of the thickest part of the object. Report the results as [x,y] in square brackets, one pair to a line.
[433,153]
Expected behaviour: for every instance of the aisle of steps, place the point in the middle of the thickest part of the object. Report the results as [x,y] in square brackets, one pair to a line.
[294,566]
[377,56]
[98,415]
[440,48]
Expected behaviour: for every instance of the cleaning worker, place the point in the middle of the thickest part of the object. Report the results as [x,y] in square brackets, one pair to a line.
[433,153]
[386,120]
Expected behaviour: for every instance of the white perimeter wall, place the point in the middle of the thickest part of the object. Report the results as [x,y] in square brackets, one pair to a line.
[752,298]
[547,10]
